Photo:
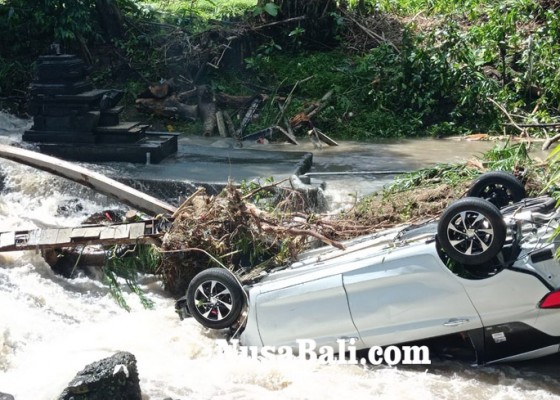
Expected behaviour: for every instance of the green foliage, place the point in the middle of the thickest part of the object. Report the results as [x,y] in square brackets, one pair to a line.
[198,12]
[38,22]
[423,89]
[125,264]
[436,82]
[519,39]
[508,157]
[29,27]
[269,8]
[260,192]
[451,174]
[439,81]
[553,181]
[500,158]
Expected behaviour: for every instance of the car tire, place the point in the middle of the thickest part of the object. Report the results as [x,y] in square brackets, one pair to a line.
[215,298]
[498,187]
[472,231]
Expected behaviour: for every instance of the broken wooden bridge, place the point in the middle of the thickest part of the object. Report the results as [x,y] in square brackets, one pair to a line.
[147,231]
[144,231]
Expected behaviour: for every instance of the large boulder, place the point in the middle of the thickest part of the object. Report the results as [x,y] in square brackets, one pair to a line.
[6,396]
[114,378]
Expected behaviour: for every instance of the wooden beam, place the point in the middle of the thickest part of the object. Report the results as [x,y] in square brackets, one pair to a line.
[86,177]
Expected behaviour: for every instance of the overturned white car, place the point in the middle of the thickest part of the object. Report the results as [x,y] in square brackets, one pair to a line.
[482,280]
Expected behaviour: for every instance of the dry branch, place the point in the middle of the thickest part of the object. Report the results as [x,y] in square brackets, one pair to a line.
[523,132]
[380,39]
[549,141]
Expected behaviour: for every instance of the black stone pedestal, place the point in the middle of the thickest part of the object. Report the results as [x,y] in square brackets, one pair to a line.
[71,120]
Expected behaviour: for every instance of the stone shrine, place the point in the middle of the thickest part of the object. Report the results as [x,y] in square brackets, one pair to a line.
[74,121]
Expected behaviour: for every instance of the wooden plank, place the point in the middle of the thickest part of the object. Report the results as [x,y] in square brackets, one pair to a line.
[48,236]
[137,230]
[86,177]
[92,233]
[7,239]
[325,139]
[221,124]
[108,233]
[288,133]
[64,235]
[122,231]
[78,233]
[33,237]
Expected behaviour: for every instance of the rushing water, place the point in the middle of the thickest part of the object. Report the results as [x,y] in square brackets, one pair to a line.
[51,327]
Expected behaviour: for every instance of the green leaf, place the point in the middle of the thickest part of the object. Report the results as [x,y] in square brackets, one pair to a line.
[271,9]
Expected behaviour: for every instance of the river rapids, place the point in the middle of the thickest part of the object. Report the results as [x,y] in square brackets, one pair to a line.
[51,327]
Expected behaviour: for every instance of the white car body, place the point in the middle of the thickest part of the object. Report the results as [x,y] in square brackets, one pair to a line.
[395,288]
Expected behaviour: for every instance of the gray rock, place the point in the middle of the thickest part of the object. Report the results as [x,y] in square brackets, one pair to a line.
[114,378]
[6,396]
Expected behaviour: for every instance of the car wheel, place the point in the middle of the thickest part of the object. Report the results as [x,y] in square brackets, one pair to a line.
[215,298]
[499,188]
[471,231]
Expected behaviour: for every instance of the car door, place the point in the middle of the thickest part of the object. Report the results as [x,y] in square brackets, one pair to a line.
[408,296]
[316,309]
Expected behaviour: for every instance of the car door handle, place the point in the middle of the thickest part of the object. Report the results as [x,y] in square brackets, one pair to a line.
[347,339]
[455,322]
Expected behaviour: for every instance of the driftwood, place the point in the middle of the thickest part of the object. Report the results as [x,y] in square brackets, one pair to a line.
[324,138]
[230,101]
[207,108]
[266,224]
[523,131]
[186,95]
[163,100]
[316,136]
[284,107]
[251,112]
[549,141]
[169,107]
[310,111]
[288,133]
[221,124]
[315,108]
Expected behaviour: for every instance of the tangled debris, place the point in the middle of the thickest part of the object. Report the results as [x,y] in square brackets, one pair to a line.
[247,235]
[230,230]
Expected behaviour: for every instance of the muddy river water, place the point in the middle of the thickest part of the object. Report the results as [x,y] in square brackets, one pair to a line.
[51,327]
